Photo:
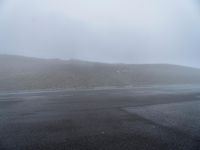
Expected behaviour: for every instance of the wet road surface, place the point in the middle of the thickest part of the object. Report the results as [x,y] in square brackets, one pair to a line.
[129,119]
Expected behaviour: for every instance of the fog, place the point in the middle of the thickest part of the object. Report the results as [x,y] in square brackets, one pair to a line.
[127,31]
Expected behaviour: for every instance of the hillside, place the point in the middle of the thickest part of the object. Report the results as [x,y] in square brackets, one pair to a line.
[25,73]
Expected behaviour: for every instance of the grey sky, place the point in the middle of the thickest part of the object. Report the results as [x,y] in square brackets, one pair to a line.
[129,31]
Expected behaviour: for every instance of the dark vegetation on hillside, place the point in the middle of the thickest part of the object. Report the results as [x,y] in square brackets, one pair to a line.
[25,73]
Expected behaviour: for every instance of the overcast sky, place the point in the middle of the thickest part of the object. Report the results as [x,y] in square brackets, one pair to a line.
[128,31]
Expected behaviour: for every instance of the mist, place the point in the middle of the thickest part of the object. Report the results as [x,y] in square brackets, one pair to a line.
[137,31]
[99,74]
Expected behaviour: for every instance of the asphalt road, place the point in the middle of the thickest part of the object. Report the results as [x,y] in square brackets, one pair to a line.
[129,119]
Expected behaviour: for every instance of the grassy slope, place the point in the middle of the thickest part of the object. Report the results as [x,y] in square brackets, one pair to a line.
[24,73]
